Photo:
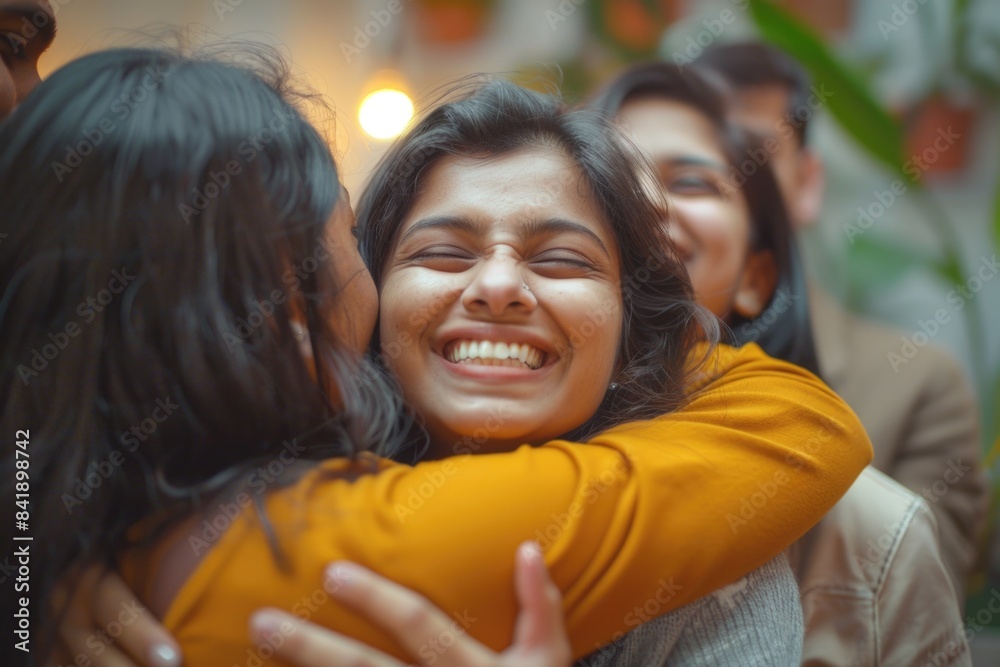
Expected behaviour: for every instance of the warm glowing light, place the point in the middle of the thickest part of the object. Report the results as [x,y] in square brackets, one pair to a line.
[385,113]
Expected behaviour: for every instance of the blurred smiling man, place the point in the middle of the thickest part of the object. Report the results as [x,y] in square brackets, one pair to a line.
[27,28]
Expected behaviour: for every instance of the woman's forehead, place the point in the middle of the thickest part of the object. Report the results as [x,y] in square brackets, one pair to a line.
[519,183]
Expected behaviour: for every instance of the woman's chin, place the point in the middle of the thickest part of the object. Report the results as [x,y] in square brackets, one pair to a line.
[499,427]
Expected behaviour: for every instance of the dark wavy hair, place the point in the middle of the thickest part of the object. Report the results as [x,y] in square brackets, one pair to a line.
[163,218]
[489,117]
[749,64]
[782,330]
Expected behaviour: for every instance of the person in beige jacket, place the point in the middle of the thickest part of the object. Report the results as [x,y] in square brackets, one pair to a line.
[874,587]
[917,406]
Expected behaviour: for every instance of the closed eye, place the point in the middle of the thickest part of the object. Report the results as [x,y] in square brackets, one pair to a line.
[443,258]
[561,264]
[692,185]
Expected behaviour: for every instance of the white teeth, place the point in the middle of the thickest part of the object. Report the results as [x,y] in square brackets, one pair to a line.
[489,353]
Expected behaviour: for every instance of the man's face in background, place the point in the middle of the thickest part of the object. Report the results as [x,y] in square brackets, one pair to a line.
[27,28]
[764,110]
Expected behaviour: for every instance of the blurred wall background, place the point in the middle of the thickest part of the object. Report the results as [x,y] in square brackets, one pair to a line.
[929,64]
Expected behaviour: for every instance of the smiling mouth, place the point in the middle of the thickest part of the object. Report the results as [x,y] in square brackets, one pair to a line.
[490,353]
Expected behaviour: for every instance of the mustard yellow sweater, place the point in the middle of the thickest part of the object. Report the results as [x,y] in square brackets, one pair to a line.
[642,519]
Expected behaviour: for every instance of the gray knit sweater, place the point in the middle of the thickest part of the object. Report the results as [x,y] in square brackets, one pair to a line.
[755,621]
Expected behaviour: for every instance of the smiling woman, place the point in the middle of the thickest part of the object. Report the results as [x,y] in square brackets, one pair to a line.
[517,253]
[731,228]
[524,223]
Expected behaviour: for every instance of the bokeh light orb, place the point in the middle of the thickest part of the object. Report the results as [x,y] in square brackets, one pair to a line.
[385,113]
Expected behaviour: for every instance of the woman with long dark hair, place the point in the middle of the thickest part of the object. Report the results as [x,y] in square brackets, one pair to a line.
[754,286]
[218,205]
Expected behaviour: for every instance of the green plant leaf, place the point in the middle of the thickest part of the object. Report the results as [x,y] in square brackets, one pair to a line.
[996,215]
[883,261]
[850,101]
[879,261]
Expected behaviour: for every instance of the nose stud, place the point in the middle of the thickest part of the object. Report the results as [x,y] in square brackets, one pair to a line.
[525,286]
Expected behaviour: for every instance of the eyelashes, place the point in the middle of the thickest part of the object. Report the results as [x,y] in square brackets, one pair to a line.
[547,263]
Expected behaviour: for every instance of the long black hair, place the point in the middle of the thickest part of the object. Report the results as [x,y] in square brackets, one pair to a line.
[782,329]
[489,117]
[164,220]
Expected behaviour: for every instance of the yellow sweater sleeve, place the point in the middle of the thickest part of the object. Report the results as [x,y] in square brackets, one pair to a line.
[641,520]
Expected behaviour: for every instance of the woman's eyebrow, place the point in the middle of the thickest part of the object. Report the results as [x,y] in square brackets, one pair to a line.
[530,228]
[449,222]
[525,229]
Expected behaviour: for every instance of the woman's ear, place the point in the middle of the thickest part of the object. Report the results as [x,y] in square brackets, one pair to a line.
[807,201]
[757,284]
[300,330]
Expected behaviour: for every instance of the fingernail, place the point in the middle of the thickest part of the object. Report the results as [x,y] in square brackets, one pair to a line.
[164,655]
[531,550]
[266,622]
[340,574]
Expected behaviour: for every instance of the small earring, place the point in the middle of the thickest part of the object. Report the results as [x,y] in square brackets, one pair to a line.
[613,386]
